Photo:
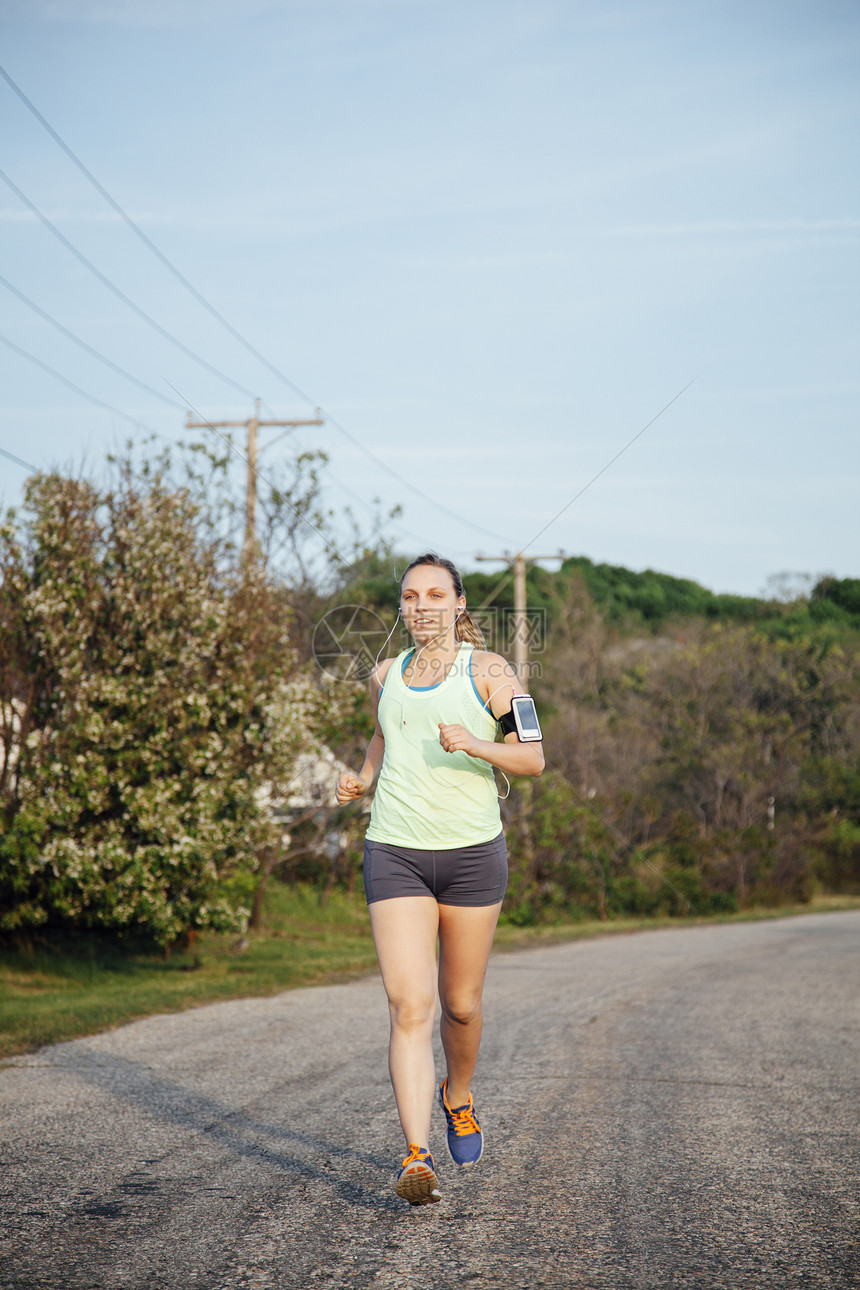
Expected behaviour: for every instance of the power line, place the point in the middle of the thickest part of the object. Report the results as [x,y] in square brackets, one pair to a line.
[180,277]
[111,286]
[591,481]
[350,492]
[258,473]
[458,516]
[520,619]
[19,461]
[215,313]
[609,463]
[462,519]
[237,335]
[252,425]
[408,483]
[147,241]
[102,358]
[91,398]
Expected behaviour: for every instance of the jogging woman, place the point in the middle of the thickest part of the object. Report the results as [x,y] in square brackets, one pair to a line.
[435,865]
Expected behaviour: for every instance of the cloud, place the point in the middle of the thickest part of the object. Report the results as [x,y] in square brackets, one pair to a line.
[65,216]
[732,228]
[155,14]
[314,221]
[151,13]
[790,393]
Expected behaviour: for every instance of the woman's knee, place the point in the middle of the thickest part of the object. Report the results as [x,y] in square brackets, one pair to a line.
[461,1007]
[413,1012]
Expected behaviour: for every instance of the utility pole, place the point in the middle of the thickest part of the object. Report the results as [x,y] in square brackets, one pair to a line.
[252,425]
[520,608]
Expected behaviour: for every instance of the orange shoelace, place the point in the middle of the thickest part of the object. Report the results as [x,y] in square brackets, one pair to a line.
[464,1119]
[417,1153]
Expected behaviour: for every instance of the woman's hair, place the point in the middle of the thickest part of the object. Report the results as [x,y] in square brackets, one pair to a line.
[466,628]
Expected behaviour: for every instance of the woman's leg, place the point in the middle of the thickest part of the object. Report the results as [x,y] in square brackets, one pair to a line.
[465,939]
[404,932]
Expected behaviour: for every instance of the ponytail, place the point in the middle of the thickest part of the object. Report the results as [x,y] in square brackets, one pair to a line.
[468,630]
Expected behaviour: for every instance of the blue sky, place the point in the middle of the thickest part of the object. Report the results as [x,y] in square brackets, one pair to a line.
[491,239]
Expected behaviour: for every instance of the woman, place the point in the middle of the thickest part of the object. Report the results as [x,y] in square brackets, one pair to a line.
[435,865]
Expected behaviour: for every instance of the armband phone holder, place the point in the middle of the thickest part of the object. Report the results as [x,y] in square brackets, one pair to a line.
[522,720]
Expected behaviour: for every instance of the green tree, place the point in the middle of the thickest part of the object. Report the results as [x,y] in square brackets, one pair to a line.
[142,684]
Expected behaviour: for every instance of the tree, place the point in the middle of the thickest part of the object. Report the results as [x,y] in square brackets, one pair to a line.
[141,695]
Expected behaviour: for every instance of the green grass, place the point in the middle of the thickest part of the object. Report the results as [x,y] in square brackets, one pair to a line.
[515,938]
[64,989]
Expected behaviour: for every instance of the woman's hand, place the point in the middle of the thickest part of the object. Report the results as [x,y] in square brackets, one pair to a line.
[456,739]
[349,788]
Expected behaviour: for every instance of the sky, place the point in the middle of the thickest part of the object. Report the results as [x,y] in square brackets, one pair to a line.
[494,240]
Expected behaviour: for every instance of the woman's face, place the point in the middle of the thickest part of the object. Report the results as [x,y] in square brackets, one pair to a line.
[429,603]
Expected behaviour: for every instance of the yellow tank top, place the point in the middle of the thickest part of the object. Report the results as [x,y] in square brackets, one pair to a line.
[426,797]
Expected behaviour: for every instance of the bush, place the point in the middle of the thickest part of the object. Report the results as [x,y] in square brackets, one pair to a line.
[140,672]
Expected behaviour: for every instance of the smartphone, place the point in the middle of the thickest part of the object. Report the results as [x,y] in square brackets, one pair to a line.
[526,718]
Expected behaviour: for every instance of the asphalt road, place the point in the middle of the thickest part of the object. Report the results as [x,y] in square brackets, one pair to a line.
[675,1108]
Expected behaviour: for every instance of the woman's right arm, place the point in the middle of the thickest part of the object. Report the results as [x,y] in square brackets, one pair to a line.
[350,786]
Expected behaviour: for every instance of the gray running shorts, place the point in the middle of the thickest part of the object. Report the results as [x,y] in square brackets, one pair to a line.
[474,875]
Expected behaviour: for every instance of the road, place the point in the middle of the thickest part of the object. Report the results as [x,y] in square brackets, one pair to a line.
[675,1108]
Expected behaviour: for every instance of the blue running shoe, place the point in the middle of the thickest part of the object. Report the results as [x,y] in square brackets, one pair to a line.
[465,1139]
[417,1180]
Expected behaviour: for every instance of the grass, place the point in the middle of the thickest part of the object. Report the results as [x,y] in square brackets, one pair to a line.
[65,989]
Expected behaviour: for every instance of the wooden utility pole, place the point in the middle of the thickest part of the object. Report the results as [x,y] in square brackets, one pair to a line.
[252,425]
[521,659]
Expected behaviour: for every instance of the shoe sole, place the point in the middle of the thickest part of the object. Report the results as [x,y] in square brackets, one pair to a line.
[418,1186]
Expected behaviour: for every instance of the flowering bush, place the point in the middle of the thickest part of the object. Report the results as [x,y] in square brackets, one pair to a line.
[141,711]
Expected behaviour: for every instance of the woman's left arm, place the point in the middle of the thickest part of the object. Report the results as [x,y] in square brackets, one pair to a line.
[496,681]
